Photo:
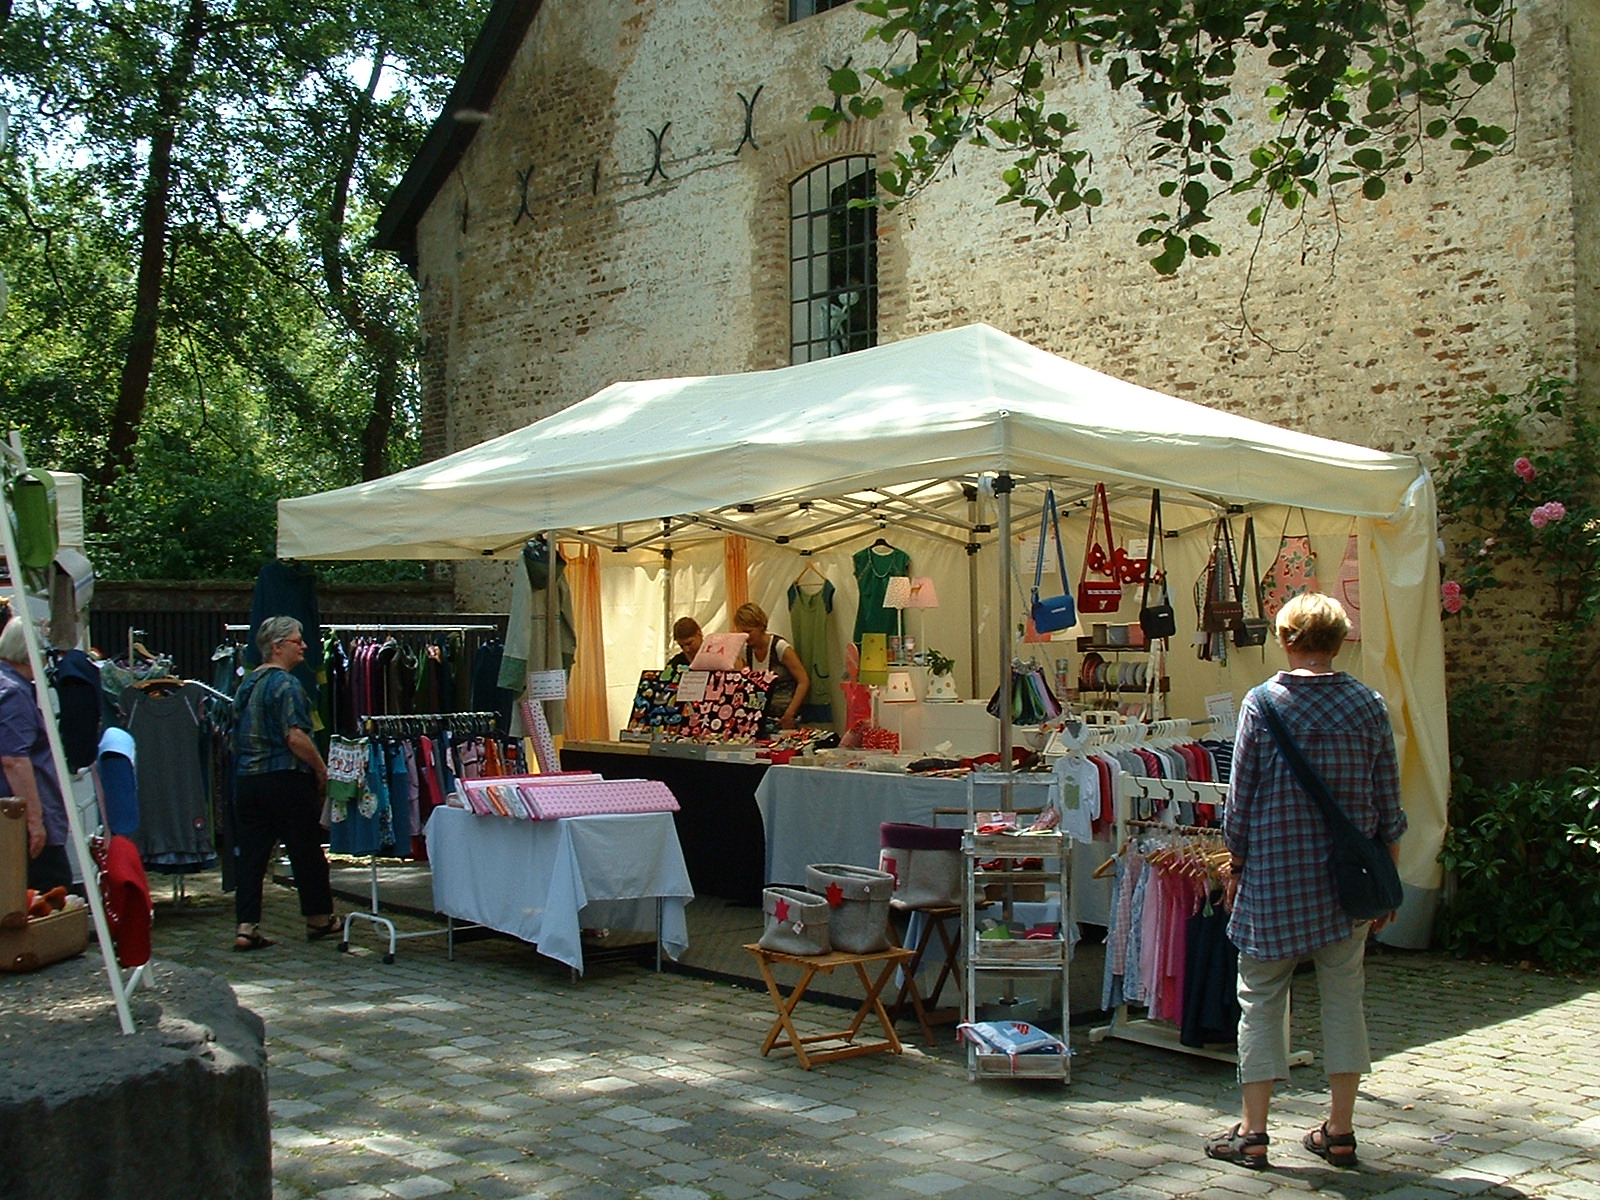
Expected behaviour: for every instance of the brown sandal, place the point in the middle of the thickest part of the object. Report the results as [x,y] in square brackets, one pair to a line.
[250,941]
[315,933]
[1336,1149]
[1235,1147]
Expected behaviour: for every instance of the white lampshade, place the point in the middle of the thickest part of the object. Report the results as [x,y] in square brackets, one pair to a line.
[923,594]
[898,594]
[899,690]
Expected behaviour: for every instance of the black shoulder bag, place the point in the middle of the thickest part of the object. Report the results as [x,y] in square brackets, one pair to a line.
[1157,620]
[1363,872]
[1250,631]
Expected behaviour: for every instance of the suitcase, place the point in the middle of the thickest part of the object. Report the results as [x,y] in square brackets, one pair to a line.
[45,940]
[13,863]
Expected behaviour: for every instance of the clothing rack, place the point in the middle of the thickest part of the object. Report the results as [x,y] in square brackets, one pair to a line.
[1148,1031]
[408,724]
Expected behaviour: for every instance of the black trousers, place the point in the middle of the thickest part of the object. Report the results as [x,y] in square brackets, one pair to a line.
[280,806]
[52,869]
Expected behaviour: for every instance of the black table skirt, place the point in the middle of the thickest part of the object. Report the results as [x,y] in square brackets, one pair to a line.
[719,826]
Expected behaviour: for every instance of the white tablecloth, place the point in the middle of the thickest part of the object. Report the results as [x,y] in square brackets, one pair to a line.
[546,881]
[829,815]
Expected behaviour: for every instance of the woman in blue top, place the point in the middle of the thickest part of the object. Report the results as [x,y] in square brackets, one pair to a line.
[281,784]
[1281,894]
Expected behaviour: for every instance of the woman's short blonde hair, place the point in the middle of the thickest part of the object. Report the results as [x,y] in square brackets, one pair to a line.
[1314,623]
[750,616]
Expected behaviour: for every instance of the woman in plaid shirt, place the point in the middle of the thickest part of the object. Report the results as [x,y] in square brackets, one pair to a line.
[1281,895]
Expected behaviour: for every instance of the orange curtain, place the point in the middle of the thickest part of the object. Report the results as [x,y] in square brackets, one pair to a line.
[586,688]
[736,571]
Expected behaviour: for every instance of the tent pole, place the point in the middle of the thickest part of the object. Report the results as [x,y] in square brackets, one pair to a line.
[552,608]
[1002,492]
[971,493]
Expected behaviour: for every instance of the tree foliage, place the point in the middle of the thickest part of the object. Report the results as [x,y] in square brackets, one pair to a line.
[185,218]
[1355,90]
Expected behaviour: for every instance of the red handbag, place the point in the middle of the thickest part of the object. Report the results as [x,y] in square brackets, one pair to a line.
[1100,595]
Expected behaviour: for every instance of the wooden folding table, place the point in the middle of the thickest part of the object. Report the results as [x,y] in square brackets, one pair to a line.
[810,965]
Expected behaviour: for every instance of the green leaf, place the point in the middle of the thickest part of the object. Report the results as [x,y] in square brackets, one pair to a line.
[1171,256]
[844,82]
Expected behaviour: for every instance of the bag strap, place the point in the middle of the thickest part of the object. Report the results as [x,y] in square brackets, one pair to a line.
[1051,520]
[1224,588]
[1098,506]
[1152,547]
[1303,771]
[1250,553]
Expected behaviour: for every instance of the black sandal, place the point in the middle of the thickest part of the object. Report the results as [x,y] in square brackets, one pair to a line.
[1336,1149]
[1233,1147]
[250,941]
[315,933]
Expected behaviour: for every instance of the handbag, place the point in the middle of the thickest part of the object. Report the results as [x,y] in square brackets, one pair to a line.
[1364,873]
[1349,586]
[1157,620]
[1250,631]
[1219,604]
[1099,595]
[1293,572]
[1053,612]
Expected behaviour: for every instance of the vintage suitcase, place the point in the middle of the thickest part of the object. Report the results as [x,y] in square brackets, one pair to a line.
[13,863]
[45,940]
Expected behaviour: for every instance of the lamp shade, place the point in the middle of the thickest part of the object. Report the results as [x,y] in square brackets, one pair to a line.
[898,593]
[923,594]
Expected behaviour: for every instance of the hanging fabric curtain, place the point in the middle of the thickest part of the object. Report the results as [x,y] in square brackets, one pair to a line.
[586,687]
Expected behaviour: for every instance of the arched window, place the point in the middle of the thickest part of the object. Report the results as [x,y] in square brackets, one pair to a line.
[833,261]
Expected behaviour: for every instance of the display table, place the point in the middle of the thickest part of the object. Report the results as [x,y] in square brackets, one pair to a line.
[831,815]
[717,822]
[809,965]
[546,881]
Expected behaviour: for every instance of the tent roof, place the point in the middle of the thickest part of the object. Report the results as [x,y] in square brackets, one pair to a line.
[944,406]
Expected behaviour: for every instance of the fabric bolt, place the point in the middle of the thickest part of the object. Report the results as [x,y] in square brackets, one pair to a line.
[873,572]
[1286,905]
[23,735]
[808,620]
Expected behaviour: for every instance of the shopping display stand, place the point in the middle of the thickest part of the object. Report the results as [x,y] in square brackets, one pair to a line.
[13,461]
[810,965]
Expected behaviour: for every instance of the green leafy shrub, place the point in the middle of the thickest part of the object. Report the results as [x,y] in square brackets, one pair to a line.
[1526,859]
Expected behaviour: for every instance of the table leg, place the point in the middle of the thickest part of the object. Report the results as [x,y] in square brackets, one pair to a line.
[785,1021]
[874,1004]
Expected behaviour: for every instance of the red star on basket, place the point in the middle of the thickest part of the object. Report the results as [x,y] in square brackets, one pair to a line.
[780,910]
[835,895]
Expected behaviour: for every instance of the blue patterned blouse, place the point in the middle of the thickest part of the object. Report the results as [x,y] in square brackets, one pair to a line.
[1286,905]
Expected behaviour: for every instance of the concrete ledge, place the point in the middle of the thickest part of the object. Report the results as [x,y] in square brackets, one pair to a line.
[177,1109]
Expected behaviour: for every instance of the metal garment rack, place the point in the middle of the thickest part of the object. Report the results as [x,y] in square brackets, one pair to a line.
[401,723]
[1148,1031]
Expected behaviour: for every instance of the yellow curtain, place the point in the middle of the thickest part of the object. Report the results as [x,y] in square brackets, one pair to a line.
[736,571]
[586,688]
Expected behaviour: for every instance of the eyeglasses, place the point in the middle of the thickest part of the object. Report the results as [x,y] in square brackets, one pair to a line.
[297,641]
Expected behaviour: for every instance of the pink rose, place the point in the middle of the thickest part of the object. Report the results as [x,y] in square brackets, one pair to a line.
[1453,604]
[1525,469]
[1449,589]
[1539,518]
[1555,510]
[1488,542]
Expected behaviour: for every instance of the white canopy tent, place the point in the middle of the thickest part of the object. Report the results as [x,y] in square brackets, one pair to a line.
[813,455]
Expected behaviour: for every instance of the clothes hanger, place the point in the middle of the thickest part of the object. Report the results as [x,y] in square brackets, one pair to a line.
[810,568]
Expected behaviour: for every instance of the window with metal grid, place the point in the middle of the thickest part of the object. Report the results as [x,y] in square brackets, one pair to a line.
[801,9]
[833,261]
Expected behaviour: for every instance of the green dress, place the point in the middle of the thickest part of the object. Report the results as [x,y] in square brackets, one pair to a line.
[873,572]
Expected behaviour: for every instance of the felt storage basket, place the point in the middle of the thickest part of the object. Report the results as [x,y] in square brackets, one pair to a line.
[925,863]
[858,903]
[796,921]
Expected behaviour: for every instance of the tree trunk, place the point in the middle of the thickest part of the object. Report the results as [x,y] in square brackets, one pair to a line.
[133,392]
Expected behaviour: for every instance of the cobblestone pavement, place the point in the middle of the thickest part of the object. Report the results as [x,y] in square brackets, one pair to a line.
[497,1076]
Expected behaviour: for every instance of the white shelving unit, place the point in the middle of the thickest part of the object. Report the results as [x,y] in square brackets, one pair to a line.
[1011,960]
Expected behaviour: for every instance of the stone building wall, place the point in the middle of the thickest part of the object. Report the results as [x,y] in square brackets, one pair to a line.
[563,254]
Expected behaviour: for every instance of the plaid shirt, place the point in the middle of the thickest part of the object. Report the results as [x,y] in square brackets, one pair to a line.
[261,728]
[1287,906]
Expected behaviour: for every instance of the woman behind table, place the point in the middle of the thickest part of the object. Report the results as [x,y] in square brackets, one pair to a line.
[768,652]
[687,633]
[1284,907]
[282,780]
